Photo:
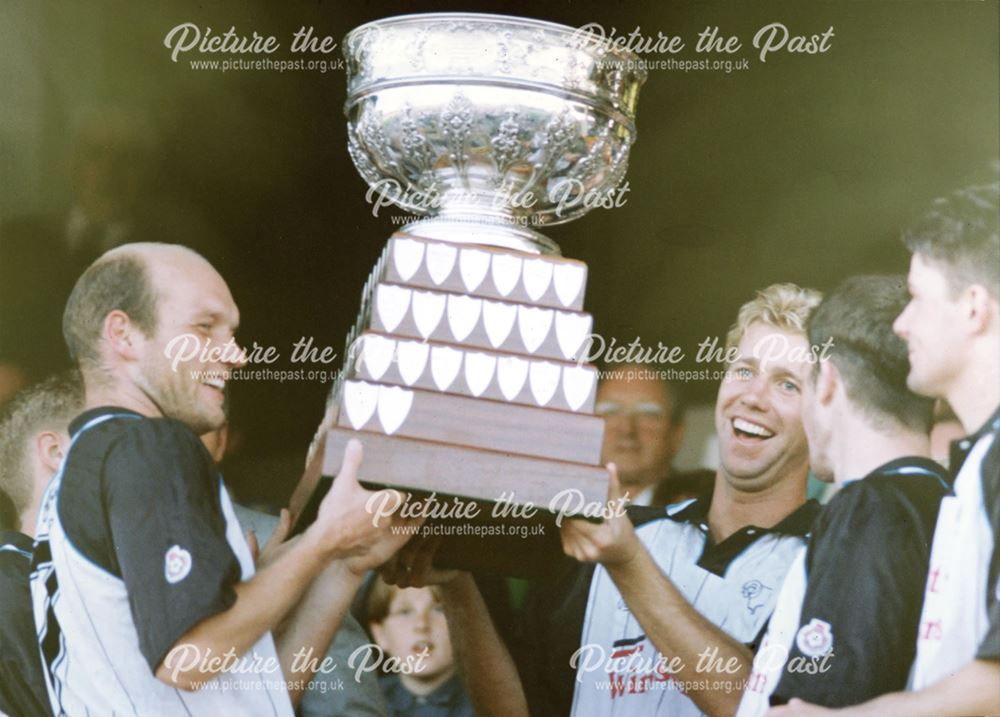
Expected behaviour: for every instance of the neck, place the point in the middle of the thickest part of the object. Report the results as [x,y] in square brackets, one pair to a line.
[733,509]
[423,688]
[976,392]
[859,448]
[40,481]
[27,518]
[638,481]
[119,393]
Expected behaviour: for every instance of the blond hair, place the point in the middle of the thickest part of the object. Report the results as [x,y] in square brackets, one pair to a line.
[46,406]
[784,306]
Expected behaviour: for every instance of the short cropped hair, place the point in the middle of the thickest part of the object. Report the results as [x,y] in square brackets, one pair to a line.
[960,234]
[117,282]
[782,306]
[45,406]
[856,319]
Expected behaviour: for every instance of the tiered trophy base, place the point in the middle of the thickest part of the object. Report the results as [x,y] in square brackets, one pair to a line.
[474,499]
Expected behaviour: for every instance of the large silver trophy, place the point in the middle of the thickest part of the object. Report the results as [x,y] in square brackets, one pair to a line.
[465,373]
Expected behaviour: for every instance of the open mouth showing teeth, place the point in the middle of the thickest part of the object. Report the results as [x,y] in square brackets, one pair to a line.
[215,383]
[747,429]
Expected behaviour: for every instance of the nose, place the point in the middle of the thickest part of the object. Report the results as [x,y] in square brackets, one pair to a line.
[628,423]
[756,394]
[237,358]
[423,620]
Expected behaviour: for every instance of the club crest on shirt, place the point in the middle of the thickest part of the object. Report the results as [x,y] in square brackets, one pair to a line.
[814,639]
[177,564]
[755,593]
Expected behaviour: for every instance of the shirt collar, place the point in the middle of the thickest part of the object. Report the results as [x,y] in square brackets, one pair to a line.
[959,449]
[717,557]
[447,694]
[909,465]
[90,414]
[18,539]
[798,522]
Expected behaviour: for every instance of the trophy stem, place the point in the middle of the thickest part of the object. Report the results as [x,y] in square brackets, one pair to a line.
[499,229]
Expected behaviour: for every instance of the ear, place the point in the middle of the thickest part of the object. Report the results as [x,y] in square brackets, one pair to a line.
[49,449]
[119,333]
[828,381]
[980,308]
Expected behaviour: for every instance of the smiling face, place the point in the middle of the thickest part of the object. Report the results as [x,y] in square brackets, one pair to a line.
[414,624]
[758,411]
[193,300]
[931,325]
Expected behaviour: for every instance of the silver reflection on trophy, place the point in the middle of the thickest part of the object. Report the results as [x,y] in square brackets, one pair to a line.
[488,125]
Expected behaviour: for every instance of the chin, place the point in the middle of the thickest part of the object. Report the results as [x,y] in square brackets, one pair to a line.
[201,422]
[923,386]
[747,475]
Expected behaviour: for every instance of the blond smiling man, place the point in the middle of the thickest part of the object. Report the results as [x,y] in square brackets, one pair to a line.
[670,619]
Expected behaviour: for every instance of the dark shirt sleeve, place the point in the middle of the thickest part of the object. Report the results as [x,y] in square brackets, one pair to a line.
[867,567]
[22,683]
[989,648]
[162,503]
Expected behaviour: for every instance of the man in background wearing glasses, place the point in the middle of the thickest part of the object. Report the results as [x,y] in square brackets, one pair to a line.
[643,431]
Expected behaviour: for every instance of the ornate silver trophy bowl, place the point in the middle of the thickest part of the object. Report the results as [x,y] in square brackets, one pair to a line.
[488,125]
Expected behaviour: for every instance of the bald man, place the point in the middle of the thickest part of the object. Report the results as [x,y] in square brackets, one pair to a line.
[145,595]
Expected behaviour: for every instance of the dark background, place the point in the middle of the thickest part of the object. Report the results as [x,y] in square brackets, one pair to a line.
[803,168]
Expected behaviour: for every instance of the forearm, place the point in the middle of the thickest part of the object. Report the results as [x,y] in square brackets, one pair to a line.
[486,666]
[261,603]
[972,690]
[701,651]
[304,638]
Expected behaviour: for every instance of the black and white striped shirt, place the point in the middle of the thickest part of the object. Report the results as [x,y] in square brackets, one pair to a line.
[137,543]
[734,584]
[961,616]
[22,686]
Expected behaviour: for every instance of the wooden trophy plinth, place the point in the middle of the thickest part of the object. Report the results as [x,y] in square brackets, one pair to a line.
[464,380]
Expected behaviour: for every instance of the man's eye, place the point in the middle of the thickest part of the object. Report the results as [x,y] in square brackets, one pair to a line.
[790,386]
[743,373]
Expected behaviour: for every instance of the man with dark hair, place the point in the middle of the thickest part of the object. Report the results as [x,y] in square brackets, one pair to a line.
[33,440]
[141,575]
[952,330]
[845,625]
